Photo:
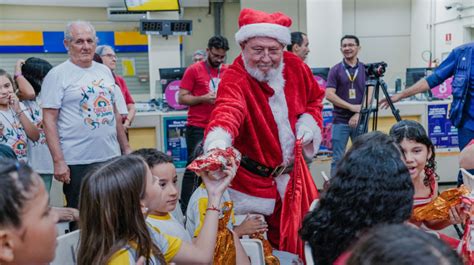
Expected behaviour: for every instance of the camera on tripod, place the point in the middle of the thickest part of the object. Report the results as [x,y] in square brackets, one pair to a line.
[375,70]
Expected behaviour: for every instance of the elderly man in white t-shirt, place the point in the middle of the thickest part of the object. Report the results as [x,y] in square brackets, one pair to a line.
[82,125]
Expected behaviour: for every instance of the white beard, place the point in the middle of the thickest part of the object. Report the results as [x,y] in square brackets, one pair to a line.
[272,75]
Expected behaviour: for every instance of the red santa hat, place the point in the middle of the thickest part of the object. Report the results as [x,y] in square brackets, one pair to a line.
[255,23]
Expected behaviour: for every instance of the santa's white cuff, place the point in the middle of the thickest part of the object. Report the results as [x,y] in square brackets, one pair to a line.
[217,138]
[308,121]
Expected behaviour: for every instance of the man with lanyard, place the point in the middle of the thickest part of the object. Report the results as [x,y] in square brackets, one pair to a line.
[198,90]
[345,90]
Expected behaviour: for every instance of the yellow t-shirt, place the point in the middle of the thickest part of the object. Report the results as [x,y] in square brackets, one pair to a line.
[197,210]
[168,245]
[169,225]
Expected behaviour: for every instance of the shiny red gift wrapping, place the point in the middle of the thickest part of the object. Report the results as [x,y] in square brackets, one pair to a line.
[215,160]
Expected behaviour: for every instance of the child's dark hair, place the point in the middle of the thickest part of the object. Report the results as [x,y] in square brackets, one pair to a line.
[110,212]
[371,186]
[7,75]
[34,70]
[16,187]
[412,130]
[401,244]
[153,157]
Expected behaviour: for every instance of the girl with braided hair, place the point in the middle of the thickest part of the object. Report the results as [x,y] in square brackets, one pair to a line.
[419,156]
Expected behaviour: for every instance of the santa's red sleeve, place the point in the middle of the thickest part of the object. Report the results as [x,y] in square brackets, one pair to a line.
[227,116]
[312,117]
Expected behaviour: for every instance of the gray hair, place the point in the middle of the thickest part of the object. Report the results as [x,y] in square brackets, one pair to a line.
[70,25]
[199,52]
[100,49]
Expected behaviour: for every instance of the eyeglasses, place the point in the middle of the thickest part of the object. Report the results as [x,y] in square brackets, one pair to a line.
[271,51]
[217,56]
[110,56]
[349,45]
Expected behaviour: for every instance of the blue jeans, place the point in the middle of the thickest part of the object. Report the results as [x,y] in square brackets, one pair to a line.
[340,137]
[465,135]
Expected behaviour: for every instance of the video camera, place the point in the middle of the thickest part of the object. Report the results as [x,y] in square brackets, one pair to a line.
[375,70]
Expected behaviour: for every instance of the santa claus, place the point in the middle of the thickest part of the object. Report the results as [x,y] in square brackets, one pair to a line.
[266,99]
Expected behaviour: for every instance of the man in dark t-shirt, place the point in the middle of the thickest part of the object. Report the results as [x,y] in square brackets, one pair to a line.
[345,90]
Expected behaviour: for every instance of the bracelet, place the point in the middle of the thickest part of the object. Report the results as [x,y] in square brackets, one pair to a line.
[213,208]
[19,113]
[18,75]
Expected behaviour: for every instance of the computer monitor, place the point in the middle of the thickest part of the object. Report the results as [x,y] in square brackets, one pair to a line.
[415,74]
[321,72]
[172,73]
[321,76]
[170,79]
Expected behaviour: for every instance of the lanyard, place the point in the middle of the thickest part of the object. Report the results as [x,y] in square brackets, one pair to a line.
[352,78]
[210,77]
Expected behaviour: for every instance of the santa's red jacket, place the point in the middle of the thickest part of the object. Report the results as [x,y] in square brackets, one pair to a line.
[260,120]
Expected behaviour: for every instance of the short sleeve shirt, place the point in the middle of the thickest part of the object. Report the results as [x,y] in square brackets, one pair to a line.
[13,134]
[124,88]
[196,211]
[197,80]
[39,156]
[338,78]
[85,98]
[168,245]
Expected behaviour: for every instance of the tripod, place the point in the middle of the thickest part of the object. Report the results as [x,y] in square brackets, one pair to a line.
[366,108]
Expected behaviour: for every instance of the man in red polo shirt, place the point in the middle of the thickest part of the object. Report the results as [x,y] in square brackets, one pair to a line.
[198,90]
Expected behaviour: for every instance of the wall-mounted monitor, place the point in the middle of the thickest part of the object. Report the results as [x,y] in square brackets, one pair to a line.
[321,75]
[152,5]
[415,74]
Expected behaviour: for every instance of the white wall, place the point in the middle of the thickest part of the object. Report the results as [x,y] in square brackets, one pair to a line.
[383,28]
[324,38]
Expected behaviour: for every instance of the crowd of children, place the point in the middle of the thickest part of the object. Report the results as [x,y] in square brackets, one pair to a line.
[128,210]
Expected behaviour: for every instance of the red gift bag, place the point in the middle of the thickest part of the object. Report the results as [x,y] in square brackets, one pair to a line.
[300,193]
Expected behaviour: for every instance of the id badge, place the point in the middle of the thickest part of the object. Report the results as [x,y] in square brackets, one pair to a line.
[352,93]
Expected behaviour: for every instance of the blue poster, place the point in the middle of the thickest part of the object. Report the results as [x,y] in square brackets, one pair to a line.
[440,130]
[174,129]
[326,143]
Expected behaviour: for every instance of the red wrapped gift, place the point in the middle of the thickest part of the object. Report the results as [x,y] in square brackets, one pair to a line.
[215,160]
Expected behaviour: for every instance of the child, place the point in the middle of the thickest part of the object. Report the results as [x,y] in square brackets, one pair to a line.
[29,76]
[419,155]
[161,166]
[15,127]
[27,224]
[402,244]
[114,200]
[359,197]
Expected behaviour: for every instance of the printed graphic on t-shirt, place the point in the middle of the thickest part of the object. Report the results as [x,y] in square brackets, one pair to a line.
[13,135]
[96,105]
[36,119]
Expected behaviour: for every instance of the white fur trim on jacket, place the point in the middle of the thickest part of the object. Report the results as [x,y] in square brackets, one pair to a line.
[281,33]
[282,183]
[279,108]
[244,203]
[217,138]
[313,147]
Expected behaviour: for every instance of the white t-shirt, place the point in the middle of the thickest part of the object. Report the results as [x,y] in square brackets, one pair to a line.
[196,210]
[120,101]
[169,225]
[39,156]
[12,133]
[86,123]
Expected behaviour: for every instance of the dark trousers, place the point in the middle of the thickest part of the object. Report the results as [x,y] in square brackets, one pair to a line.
[77,173]
[194,136]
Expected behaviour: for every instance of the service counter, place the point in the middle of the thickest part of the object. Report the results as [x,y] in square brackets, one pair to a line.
[165,131]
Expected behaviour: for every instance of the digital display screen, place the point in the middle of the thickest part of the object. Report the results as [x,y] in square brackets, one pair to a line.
[152,26]
[180,26]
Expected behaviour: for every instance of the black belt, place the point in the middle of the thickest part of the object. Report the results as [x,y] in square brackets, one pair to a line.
[264,171]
